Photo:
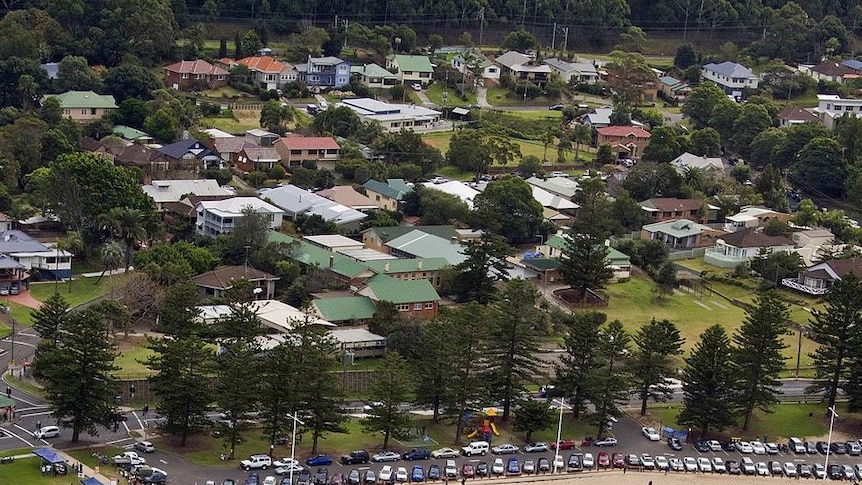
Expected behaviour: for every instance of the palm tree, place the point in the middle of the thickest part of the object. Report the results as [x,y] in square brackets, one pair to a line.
[547,139]
[111,256]
[581,134]
[127,225]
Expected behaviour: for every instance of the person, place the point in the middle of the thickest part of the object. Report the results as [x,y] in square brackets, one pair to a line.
[463,480]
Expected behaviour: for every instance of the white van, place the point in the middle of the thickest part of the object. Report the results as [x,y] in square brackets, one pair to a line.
[475,448]
[47,432]
[796,445]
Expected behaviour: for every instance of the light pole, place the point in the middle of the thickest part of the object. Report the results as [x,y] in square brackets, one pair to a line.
[829,441]
[562,403]
[293,444]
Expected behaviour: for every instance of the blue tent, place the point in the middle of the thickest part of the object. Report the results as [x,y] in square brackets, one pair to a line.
[49,455]
[91,481]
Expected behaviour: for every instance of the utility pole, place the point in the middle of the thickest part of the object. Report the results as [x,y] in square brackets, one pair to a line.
[346,26]
[565,39]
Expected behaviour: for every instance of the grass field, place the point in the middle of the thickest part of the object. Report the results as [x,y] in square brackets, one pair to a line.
[130,362]
[82,289]
[232,126]
[435,94]
[85,456]
[23,385]
[26,471]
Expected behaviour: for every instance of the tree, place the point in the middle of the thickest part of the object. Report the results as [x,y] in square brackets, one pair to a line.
[181,382]
[434,364]
[321,394]
[248,236]
[626,211]
[650,364]
[337,121]
[162,125]
[484,266]
[773,266]
[685,56]
[665,144]
[700,103]
[127,224]
[222,48]
[520,40]
[236,368]
[532,416]
[758,354]
[466,326]
[111,256]
[581,134]
[251,43]
[665,278]
[821,165]
[390,386]
[705,142]
[610,382]
[49,319]
[435,207]
[708,383]
[131,81]
[74,74]
[273,116]
[647,180]
[753,120]
[583,262]
[836,330]
[474,151]
[78,375]
[507,207]
[604,155]
[581,342]
[630,72]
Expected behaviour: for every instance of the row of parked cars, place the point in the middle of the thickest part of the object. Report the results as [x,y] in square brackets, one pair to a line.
[796,445]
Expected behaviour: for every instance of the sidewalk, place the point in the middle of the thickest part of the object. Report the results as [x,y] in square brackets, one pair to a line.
[87,471]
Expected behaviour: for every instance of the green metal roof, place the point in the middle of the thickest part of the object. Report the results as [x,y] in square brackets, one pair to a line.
[345,308]
[542,264]
[84,99]
[408,265]
[412,63]
[372,70]
[387,234]
[557,242]
[386,288]
[310,254]
[129,133]
[389,189]
[618,258]
[422,244]
[5,402]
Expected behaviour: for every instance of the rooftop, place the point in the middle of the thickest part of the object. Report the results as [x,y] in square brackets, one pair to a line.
[84,99]
[162,191]
[14,241]
[387,234]
[234,207]
[669,204]
[635,131]
[296,200]
[309,143]
[306,253]
[392,188]
[372,70]
[412,63]
[224,277]
[346,308]
[355,335]
[385,288]
[264,64]
[677,228]
[748,238]
[730,69]
[199,66]
[424,245]
[348,196]
[333,241]
[690,160]
[456,188]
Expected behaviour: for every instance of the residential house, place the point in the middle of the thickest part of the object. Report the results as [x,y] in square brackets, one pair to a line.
[733,78]
[830,71]
[52,69]
[555,202]
[295,201]
[673,89]
[254,157]
[753,216]
[421,244]
[379,237]
[625,141]
[48,262]
[346,195]
[7,223]
[794,115]
[661,209]
[476,68]
[269,73]
[195,75]
[13,276]
[854,64]
[191,154]
[410,69]
[456,188]
[334,242]
[216,217]
[411,269]
[396,117]
[282,317]
[387,195]
[574,72]
[324,151]
[709,165]
[813,238]
[742,246]
[817,279]
[552,251]
[214,284]
[831,107]
[562,186]
[261,137]
[374,76]
[84,106]
[324,72]
[131,135]
[358,343]
[520,68]
[334,265]
[228,148]
[167,191]
[150,160]
[345,310]
[412,299]
[681,234]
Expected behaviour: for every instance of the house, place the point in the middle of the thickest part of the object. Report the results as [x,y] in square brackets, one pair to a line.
[413,299]
[554,201]
[374,76]
[150,160]
[34,257]
[476,68]
[618,262]
[660,209]
[13,276]
[456,188]
[831,107]
[817,279]
[195,75]
[324,72]
[813,238]
[562,186]
[269,73]
[324,151]
[681,234]
[733,78]
[216,217]
[358,343]
[574,72]
[295,201]
[84,106]
[52,69]
[410,269]
[254,157]
[830,71]
[227,147]
[742,246]
[854,64]
[794,115]
[191,155]
[673,89]
[346,195]
[753,216]
[421,244]
[687,161]
[410,69]
[378,237]
[166,191]
[520,68]
[261,137]
[214,284]
[625,141]
[396,117]
[131,135]
[7,223]
[334,265]
[345,310]
[387,195]
[282,317]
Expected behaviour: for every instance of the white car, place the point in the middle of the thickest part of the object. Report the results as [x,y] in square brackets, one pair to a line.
[444,453]
[529,466]
[269,480]
[714,445]
[416,86]
[650,434]
[704,465]
[128,458]
[647,461]
[144,446]
[747,466]
[762,469]
[498,468]
[557,173]
[676,464]
[286,461]
[718,465]
[288,469]
[385,473]
[690,464]
[47,432]
[662,463]
[504,449]
[588,460]
[559,464]
[771,448]
[789,469]
[401,474]
[451,469]
[757,448]
[538,447]
[744,447]
[819,471]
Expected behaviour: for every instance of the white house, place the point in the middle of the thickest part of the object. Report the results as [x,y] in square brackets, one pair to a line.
[472,62]
[215,217]
[577,72]
[733,78]
[456,188]
[164,191]
[31,255]
[831,107]
[742,246]
[395,117]
[707,164]
[523,68]
[294,201]
[410,69]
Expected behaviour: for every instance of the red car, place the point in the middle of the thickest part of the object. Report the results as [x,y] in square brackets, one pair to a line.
[564,445]
[619,460]
[604,460]
[467,471]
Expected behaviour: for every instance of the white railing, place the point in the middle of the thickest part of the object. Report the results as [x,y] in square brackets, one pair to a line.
[792,283]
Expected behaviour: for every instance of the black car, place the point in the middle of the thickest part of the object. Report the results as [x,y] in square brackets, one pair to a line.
[835,472]
[733,467]
[575,462]
[357,457]
[417,454]
[839,448]
[434,472]
[544,465]
[810,447]
[674,444]
[728,446]
[354,478]
[482,469]
[321,477]
[822,446]
[155,478]
[304,478]
[370,477]
[702,446]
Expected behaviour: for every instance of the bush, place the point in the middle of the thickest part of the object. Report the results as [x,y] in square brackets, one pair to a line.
[263,95]
[210,109]
[222,176]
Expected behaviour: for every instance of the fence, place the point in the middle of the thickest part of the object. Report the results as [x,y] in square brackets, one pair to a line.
[676,254]
[245,106]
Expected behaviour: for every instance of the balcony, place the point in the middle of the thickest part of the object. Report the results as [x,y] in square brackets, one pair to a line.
[718,257]
[818,290]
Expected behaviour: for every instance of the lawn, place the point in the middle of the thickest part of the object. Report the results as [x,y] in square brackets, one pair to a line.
[532,115]
[130,361]
[80,290]
[505,97]
[85,456]
[26,386]
[26,471]
[226,92]
[435,94]
[230,125]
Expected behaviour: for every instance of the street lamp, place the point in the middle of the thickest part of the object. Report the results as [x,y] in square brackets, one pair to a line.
[562,404]
[829,441]
[293,444]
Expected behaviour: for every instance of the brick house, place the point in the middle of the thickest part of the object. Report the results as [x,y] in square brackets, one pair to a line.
[323,150]
[195,75]
[660,209]
[84,106]
[413,299]
[253,157]
[625,141]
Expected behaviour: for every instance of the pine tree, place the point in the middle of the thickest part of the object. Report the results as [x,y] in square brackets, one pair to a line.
[580,357]
[758,358]
[609,387]
[237,46]
[485,265]
[222,48]
[391,385]
[467,326]
[532,416]
[321,394]
[279,396]
[178,311]
[707,383]
[435,365]
[49,318]
[237,373]
[650,365]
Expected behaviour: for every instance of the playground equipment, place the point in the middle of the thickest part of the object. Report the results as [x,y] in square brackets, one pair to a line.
[481,424]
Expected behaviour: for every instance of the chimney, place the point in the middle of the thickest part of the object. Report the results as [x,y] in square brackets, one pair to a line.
[386,267]
[419,264]
[331,260]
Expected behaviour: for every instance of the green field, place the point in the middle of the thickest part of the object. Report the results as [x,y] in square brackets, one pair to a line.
[230,125]
[26,471]
[130,362]
[435,95]
[80,290]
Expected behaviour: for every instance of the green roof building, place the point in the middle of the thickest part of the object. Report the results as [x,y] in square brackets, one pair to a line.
[410,69]
[84,105]
[344,310]
[415,298]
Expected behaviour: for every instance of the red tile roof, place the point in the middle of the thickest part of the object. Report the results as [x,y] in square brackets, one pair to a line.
[624,131]
[199,66]
[310,143]
[264,64]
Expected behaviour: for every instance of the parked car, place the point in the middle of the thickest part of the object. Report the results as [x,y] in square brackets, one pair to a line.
[690,464]
[357,457]
[444,453]
[758,448]
[144,446]
[714,445]
[733,467]
[676,465]
[647,461]
[718,465]
[451,471]
[386,473]
[604,460]
[835,472]
[482,468]
[589,461]
[704,465]
[748,467]
[337,479]
[504,449]
[417,454]
[529,467]
[434,472]
[321,476]
[319,460]
[804,470]
[662,463]
[564,445]
[771,448]
[47,432]
[537,447]
[775,468]
[744,447]
[354,477]
[819,471]
[256,462]
[633,461]
[401,474]
[544,465]
[701,446]
[822,446]
[810,447]
[513,467]
[839,448]
[417,474]
[498,467]
[674,443]
[576,462]
[386,455]
[605,442]
[467,470]
[287,469]
[853,448]
[789,469]
[762,469]
[304,478]
[650,433]
[618,460]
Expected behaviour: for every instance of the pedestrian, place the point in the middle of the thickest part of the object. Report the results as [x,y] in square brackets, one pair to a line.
[38,425]
[463,480]
[624,469]
[8,392]
[146,409]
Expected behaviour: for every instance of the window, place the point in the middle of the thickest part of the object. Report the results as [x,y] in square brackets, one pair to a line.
[403,307]
[429,305]
[417,306]
[184,75]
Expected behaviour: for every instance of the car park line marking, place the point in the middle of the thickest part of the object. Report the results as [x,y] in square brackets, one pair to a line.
[43,413]
[118,441]
[24,400]
[20,438]
[135,414]
[162,461]
[127,427]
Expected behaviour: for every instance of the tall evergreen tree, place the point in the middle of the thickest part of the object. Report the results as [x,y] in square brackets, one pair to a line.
[435,365]
[321,393]
[466,328]
[707,383]
[838,331]
[580,358]
[511,361]
[222,48]
[279,396]
[237,372]
[178,309]
[757,356]
[650,364]
[237,46]
[485,265]
[391,385]
[49,318]
[584,259]
[610,381]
